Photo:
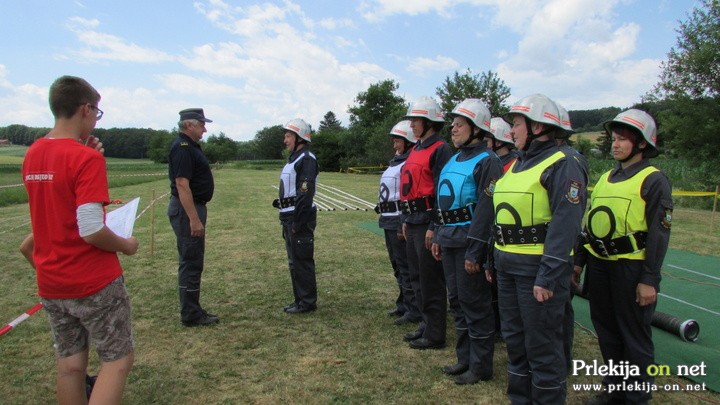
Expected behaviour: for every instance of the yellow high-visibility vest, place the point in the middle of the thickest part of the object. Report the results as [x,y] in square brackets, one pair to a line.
[617,210]
[520,200]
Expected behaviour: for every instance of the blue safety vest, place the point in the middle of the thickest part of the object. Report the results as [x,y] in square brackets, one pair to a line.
[456,185]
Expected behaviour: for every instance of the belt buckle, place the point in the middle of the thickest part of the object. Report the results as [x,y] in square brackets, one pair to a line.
[404,207]
[600,245]
[499,234]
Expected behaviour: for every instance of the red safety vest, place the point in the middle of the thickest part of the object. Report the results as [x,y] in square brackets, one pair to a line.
[417,178]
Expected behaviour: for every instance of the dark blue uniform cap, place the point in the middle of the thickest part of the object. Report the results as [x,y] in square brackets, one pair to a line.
[193,114]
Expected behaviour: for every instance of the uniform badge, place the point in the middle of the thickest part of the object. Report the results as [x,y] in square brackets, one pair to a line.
[667,219]
[304,187]
[490,189]
[573,192]
[184,144]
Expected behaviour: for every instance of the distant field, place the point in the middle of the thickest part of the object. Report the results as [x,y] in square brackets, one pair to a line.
[592,136]
[15,150]
[10,155]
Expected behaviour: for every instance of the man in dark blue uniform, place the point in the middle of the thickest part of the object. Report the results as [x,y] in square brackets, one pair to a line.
[191,187]
[298,215]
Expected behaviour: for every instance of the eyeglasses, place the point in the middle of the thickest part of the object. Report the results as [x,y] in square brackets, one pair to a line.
[99,112]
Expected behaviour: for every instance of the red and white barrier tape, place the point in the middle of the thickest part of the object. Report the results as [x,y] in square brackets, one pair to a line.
[7,328]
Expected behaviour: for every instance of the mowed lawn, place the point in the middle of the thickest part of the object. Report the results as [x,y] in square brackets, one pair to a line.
[348,351]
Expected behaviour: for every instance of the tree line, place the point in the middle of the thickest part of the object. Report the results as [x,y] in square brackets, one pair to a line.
[684,103]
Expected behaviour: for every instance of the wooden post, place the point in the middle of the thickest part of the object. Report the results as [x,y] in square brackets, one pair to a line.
[152,224]
[712,217]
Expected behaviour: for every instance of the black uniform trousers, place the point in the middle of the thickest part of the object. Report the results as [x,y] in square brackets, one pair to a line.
[427,278]
[569,329]
[471,302]
[623,327]
[397,252]
[191,251]
[300,248]
[533,333]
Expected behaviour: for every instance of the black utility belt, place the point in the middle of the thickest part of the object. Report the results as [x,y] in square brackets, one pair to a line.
[388,207]
[519,235]
[617,246]
[422,204]
[284,202]
[450,217]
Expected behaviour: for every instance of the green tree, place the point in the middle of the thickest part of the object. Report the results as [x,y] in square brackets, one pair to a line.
[18,134]
[159,146]
[692,65]
[375,111]
[329,121]
[246,150]
[327,147]
[220,148]
[487,86]
[269,142]
[690,86]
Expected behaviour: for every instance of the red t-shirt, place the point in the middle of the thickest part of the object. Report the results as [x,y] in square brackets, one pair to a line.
[60,175]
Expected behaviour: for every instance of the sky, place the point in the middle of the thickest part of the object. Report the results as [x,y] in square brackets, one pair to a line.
[256,64]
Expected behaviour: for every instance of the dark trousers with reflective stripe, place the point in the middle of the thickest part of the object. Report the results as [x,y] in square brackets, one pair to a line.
[397,251]
[426,275]
[623,327]
[300,247]
[533,332]
[471,302]
[191,252]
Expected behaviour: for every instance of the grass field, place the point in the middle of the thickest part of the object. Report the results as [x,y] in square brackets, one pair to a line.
[347,352]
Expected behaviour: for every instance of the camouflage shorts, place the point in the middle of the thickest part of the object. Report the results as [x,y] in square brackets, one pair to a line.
[102,319]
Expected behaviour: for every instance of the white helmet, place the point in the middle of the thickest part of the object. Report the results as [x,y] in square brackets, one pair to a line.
[300,127]
[402,129]
[538,108]
[474,110]
[564,119]
[425,107]
[639,120]
[500,130]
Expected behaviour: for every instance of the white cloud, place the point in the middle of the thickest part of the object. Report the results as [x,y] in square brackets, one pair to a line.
[23,103]
[573,52]
[335,23]
[421,66]
[100,46]
[375,10]
[279,65]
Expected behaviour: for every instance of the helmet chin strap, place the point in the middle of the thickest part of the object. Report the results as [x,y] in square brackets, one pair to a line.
[426,127]
[298,141]
[493,144]
[635,150]
[473,135]
[530,136]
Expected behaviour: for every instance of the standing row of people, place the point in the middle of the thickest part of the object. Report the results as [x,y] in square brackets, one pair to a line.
[447,218]
[518,216]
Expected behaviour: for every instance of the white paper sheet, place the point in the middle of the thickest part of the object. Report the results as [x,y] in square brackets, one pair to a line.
[122,220]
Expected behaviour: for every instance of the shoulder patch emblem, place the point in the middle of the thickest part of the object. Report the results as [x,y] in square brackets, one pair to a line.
[304,187]
[573,191]
[667,219]
[490,189]
[184,144]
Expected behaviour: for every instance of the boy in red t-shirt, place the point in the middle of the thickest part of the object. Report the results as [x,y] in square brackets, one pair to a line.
[78,272]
